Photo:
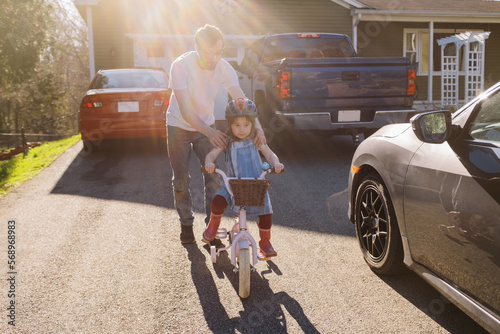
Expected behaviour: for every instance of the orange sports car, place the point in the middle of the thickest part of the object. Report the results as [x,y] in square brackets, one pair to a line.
[125,103]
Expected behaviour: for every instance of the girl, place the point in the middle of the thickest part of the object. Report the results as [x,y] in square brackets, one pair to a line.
[243,160]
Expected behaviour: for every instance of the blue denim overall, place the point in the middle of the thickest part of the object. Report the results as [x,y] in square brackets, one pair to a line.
[243,160]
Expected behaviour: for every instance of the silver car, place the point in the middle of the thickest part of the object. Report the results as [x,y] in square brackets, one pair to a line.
[426,196]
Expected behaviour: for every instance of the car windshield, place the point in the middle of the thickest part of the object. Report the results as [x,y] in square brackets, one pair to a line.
[280,48]
[140,78]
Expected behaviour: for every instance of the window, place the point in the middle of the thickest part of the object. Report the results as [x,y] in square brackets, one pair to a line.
[308,48]
[156,51]
[230,52]
[486,124]
[141,78]
[416,47]
[251,59]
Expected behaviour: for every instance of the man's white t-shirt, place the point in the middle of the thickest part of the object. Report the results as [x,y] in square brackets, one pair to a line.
[202,85]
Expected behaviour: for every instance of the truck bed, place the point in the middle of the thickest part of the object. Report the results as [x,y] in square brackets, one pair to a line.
[361,82]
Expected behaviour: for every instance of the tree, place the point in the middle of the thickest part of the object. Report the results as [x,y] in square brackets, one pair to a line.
[43,66]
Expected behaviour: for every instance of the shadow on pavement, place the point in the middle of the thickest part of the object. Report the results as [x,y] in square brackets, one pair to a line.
[262,312]
[431,302]
[313,187]
[126,170]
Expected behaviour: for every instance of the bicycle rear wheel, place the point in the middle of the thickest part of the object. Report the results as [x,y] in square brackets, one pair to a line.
[244,272]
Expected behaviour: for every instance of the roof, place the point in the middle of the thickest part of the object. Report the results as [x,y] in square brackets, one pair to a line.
[432,5]
[425,10]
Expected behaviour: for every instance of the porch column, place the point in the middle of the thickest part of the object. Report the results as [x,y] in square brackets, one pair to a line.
[355,22]
[431,67]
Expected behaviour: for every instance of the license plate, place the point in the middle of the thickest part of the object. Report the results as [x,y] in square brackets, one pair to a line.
[130,106]
[349,115]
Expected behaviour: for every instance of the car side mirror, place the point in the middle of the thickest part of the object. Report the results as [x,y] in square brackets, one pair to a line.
[432,127]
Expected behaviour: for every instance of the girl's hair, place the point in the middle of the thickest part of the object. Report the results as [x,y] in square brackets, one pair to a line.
[229,131]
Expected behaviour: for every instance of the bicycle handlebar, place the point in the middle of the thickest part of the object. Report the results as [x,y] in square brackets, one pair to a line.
[226,179]
[267,171]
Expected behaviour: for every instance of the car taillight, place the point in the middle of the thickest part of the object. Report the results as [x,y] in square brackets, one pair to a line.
[283,85]
[410,88]
[161,99]
[91,101]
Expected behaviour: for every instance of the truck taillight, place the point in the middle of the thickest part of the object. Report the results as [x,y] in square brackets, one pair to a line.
[308,36]
[283,85]
[91,101]
[161,99]
[410,88]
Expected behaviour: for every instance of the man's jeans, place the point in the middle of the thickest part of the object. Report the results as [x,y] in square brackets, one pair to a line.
[180,144]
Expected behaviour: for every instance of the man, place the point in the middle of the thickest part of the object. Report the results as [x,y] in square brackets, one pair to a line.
[195,78]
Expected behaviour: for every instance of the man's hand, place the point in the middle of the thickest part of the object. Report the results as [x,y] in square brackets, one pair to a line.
[260,138]
[217,138]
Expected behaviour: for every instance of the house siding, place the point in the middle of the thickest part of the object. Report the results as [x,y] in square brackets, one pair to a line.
[112,19]
[109,35]
[379,39]
[301,16]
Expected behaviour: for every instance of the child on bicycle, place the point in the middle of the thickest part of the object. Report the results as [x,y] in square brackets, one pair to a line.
[243,160]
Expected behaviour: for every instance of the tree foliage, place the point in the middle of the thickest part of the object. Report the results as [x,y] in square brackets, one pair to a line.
[43,66]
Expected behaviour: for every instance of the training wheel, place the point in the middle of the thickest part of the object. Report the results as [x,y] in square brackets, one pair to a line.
[213,254]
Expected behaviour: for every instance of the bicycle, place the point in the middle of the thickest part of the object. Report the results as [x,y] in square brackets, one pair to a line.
[245,192]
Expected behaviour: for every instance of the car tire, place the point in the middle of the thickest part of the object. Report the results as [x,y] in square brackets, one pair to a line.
[377,227]
[88,146]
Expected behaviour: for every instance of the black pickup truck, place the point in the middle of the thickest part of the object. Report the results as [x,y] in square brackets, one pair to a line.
[313,81]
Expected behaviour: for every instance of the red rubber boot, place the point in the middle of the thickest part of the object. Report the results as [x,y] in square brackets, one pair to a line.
[266,248]
[212,227]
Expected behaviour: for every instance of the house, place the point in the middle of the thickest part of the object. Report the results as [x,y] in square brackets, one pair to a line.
[127,33]
[414,28]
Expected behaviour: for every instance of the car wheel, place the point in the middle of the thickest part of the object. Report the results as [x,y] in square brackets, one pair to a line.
[377,228]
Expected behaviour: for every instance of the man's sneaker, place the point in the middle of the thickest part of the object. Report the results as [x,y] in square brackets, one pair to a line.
[187,235]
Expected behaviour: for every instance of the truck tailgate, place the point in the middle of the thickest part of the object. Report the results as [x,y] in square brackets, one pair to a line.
[358,82]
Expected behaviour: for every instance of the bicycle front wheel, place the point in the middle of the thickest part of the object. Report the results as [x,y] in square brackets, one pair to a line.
[244,273]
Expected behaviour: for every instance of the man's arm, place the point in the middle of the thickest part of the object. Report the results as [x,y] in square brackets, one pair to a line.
[187,108]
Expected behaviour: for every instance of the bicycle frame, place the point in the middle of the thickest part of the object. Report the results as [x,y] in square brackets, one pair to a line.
[243,239]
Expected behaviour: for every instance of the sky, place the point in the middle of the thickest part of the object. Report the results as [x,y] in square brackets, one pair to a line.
[70,8]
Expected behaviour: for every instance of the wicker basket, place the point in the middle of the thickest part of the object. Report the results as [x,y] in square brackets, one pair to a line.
[249,192]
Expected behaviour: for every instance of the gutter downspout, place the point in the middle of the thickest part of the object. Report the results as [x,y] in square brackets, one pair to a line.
[90,36]
[355,22]
[431,67]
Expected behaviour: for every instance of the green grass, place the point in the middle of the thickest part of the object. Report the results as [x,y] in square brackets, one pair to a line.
[20,168]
